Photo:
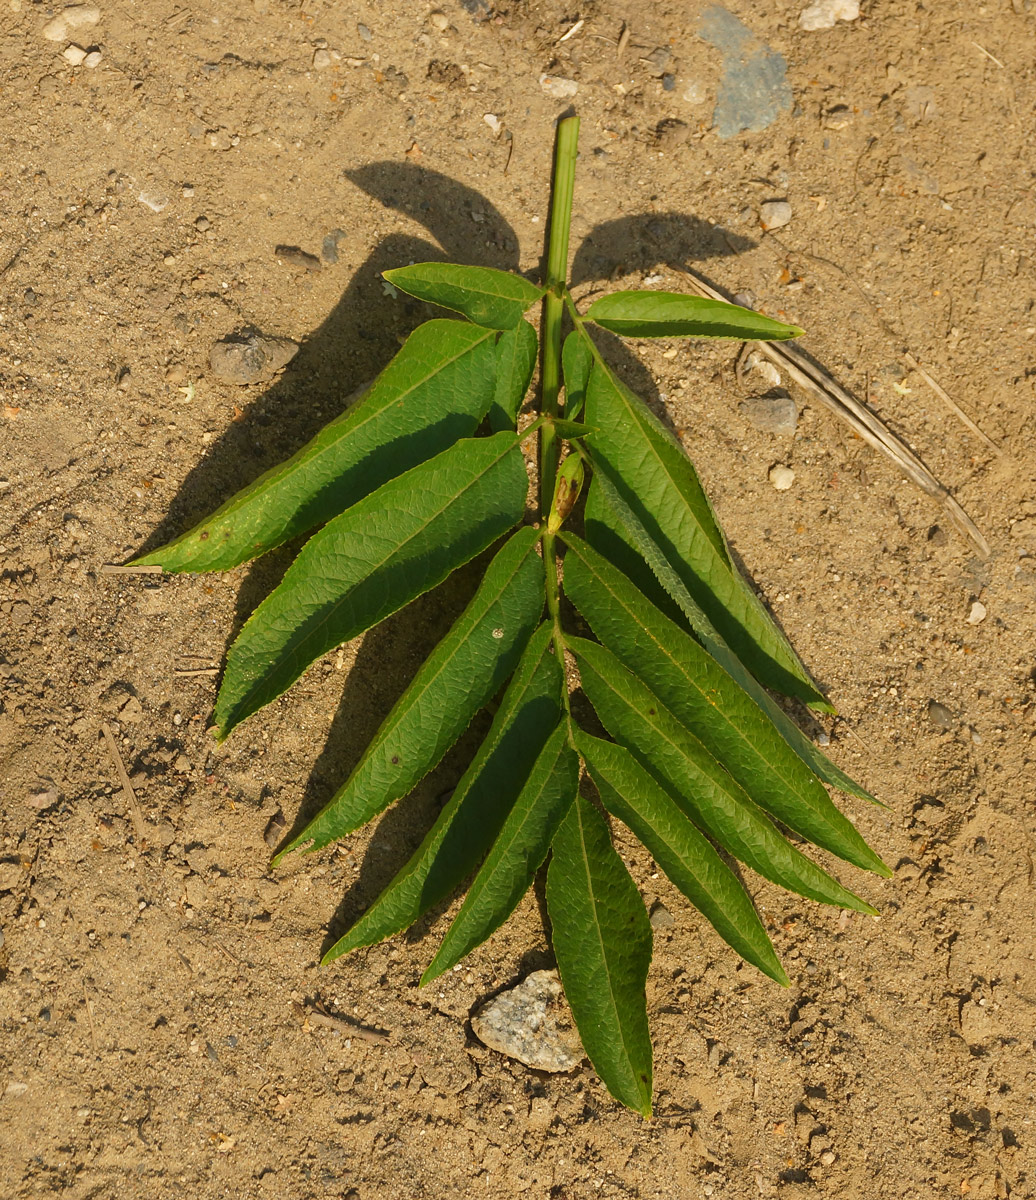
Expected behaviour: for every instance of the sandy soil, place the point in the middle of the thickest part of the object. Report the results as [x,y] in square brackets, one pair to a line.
[149,1037]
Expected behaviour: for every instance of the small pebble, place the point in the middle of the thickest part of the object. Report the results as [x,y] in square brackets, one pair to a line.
[657,62]
[322,60]
[781,477]
[774,214]
[559,87]
[940,716]
[93,59]
[275,828]
[695,93]
[364,32]
[202,224]
[772,414]
[295,257]
[661,917]
[977,614]
[329,246]
[156,201]
[439,20]
[493,121]
[250,357]
[73,54]
[76,16]
[828,1157]
[824,14]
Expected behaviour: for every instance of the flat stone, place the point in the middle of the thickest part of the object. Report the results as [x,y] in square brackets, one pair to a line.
[775,413]
[76,16]
[940,715]
[754,88]
[781,477]
[775,214]
[532,1024]
[824,14]
[250,357]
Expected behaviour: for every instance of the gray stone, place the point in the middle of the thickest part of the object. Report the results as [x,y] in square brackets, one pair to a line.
[940,715]
[246,358]
[775,412]
[531,1023]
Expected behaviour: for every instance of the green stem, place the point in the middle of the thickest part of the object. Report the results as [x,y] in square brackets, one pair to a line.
[554,302]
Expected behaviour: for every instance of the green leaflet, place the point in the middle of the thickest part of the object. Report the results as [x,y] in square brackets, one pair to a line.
[687,856]
[701,695]
[576,361]
[516,854]
[436,390]
[719,806]
[457,678]
[570,430]
[614,529]
[656,479]
[474,814]
[602,940]
[670,314]
[395,544]
[488,297]
[516,360]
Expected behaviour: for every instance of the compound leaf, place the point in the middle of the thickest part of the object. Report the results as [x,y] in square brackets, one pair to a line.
[517,853]
[615,530]
[473,815]
[718,805]
[656,479]
[516,358]
[486,296]
[705,699]
[686,855]
[393,545]
[458,677]
[671,314]
[436,390]
[602,940]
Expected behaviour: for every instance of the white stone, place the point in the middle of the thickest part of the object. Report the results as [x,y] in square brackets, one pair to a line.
[322,60]
[781,477]
[823,14]
[493,121]
[156,201]
[73,54]
[531,1023]
[76,16]
[558,86]
[774,214]
[977,614]
[93,59]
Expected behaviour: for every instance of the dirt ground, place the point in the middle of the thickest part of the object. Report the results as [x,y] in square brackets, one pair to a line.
[150,1040]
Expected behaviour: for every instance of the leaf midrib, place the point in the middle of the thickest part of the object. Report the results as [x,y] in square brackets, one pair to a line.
[331,445]
[291,646]
[413,700]
[728,721]
[645,427]
[623,1032]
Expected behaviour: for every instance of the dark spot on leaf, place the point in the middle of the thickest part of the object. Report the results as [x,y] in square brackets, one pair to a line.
[651,712]
[395,760]
[204,535]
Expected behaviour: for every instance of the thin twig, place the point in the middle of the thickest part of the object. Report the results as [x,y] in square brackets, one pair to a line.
[914,365]
[199,671]
[991,57]
[127,788]
[113,569]
[316,1016]
[861,419]
[572,32]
